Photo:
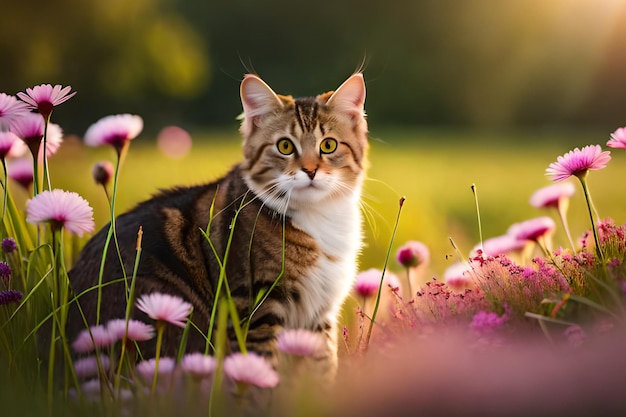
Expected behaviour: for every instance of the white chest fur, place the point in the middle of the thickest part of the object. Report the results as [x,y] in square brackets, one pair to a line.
[336,227]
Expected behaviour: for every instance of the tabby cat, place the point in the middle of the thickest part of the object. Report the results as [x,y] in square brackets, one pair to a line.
[295,195]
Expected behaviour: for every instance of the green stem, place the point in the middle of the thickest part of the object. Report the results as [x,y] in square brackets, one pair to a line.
[35,154]
[160,326]
[480,227]
[129,308]
[215,399]
[46,174]
[591,209]
[382,277]
[562,210]
[408,282]
[51,354]
[5,186]
[222,280]
[111,234]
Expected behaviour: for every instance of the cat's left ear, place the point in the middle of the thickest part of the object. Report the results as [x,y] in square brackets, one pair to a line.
[349,98]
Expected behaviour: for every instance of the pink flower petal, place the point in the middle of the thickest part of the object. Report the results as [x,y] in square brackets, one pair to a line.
[300,342]
[114,130]
[532,229]
[11,109]
[95,337]
[88,367]
[165,307]
[21,171]
[367,282]
[138,331]
[413,253]
[500,245]
[618,138]
[64,208]
[551,195]
[198,364]
[147,368]
[44,97]
[29,127]
[577,162]
[458,275]
[8,140]
[250,369]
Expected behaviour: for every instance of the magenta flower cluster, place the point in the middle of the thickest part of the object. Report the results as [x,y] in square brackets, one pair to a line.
[502,286]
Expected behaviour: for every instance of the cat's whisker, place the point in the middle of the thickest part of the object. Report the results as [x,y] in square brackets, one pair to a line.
[371,214]
[389,187]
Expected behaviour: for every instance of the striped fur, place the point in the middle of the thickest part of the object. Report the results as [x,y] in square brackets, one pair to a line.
[307,199]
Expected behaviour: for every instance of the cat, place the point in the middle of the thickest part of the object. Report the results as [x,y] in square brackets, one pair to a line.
[296,195]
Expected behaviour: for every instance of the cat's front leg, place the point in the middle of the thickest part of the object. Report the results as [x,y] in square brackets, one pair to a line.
[261,338]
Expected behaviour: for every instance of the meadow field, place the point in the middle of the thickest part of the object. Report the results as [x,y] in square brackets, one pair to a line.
[433,168]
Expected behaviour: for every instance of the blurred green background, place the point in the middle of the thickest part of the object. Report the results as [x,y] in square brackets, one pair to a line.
[427,62]
[459,92]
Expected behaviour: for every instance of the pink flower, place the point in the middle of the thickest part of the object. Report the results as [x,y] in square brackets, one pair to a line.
[413,253]
[11,109]
[138,331]
[551,195]
[458,275]
[165,307]
[8,140]
[30,129]
[115,130]
[484,323]
[88,367]
[63,209]
[500,245]
[618,138]
[21,171]
[578,161]
[44,97]
[532,229]
[147,368]
[198,364]
[250,369]
[300,342]
[367,282]
[53,143]
[99,337]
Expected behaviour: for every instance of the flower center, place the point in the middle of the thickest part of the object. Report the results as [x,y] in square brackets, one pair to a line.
[45,108]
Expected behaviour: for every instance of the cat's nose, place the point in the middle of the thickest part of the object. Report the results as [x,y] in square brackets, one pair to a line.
[309,172]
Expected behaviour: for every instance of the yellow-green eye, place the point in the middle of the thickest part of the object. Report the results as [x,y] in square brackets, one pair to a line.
[328,145]
[285,146]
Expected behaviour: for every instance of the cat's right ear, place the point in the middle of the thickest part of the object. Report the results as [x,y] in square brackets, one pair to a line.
[257,99]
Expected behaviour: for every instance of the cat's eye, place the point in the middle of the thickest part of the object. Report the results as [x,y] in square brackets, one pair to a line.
[328,145]
[285,146]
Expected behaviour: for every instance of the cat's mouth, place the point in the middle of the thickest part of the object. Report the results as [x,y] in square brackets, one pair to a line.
[311,184]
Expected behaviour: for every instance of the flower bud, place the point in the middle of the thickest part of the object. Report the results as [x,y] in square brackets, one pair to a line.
[102,172]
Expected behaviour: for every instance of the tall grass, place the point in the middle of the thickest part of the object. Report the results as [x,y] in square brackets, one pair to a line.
[433,169]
